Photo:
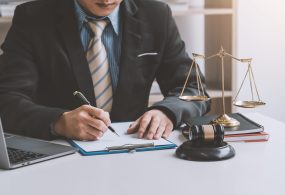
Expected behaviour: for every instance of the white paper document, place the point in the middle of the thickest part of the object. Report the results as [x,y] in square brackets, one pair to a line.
[110,139]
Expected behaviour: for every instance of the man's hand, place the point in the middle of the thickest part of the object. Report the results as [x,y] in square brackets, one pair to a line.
[152,125]
[84,123]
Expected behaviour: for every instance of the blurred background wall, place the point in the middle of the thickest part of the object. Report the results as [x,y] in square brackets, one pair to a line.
[260,34]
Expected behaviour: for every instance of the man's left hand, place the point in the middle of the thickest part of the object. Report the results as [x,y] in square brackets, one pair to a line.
[153,124]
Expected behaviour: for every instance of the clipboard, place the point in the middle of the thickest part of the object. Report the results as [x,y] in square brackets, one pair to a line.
[126,143]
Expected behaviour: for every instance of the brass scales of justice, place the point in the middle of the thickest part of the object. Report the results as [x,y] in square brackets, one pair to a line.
[223,119]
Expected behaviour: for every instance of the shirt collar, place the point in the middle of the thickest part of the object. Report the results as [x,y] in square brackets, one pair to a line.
[81,15]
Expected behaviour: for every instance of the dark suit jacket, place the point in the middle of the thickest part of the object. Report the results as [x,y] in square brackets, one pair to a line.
[44,63]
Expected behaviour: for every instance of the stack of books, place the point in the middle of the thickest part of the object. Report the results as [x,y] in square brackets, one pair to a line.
[248,131]
[247,137]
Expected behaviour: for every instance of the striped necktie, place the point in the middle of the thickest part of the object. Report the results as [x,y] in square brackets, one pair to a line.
[99,67]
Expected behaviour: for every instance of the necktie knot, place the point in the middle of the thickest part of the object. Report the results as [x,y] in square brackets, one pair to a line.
[98,27]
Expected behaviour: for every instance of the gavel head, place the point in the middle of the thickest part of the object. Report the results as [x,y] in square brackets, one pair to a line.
[204,134]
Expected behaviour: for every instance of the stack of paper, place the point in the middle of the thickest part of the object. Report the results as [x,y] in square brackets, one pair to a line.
[121,142]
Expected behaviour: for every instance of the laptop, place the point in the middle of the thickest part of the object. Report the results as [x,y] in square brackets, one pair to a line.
[18,151]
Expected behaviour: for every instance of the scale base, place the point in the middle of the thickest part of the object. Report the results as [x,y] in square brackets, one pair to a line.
[226,121]
[193,152]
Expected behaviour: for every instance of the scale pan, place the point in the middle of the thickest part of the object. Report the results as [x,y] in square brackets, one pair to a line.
[194,98]
[248,104]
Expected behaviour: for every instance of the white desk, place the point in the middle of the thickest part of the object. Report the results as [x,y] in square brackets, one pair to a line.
[257,168]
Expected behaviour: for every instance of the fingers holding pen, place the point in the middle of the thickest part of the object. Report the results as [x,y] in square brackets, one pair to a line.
[98,113]
[88,133]
[96,124]
[81,124]
[98,121]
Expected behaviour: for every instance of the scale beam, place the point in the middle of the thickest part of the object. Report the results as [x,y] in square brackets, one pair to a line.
[224,119]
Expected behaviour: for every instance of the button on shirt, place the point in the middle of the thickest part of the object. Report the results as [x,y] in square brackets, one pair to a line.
[111,37]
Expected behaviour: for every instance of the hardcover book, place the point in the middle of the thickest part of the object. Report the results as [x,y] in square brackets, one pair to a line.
[246,125]
[248,137]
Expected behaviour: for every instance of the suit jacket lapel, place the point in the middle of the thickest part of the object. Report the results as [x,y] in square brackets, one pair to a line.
[130,41]
[67,25]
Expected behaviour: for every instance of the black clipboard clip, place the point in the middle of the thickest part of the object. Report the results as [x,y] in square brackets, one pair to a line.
[130,147]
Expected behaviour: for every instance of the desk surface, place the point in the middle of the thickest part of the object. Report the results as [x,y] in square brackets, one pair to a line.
[258,168]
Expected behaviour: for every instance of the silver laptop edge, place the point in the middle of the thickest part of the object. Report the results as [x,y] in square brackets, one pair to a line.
[4,157]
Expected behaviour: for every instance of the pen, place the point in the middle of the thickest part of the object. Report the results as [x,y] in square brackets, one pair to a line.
[84,100]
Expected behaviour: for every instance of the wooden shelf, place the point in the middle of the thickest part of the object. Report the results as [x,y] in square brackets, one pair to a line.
[218,93]
[209,11]
[5,19]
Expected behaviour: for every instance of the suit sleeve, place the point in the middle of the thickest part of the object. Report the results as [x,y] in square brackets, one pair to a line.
[19,81]
[172,75]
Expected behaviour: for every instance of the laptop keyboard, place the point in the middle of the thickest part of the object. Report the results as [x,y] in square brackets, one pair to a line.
[18,156]
[7,135]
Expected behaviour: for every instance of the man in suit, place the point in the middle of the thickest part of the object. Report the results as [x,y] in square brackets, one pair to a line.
[57,47]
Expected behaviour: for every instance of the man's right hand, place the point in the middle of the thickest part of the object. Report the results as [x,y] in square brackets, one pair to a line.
[84,123]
